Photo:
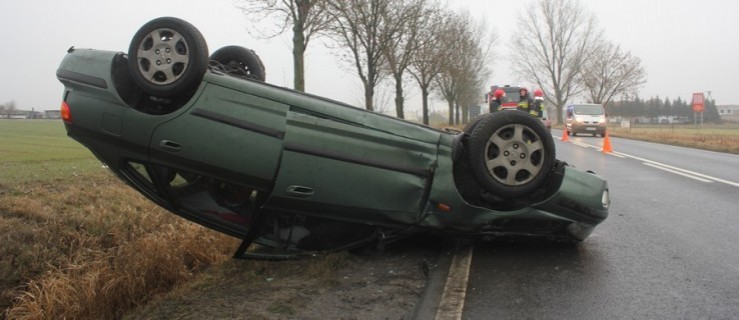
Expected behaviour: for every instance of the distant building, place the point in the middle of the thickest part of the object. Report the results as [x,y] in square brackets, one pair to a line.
[34,115]
[25,114]
[729,112]
[53,114]
[15,114]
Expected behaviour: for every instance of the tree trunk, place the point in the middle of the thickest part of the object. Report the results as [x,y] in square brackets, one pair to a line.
[456,113]
[298,58]
[399,97]
[560,120]
[425,103]
[451,112]
[560,107]
[369,94]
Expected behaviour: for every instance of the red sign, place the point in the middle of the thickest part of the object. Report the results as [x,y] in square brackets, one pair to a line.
[698,102]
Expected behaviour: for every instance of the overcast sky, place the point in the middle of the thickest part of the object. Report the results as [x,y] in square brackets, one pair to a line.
[685,45]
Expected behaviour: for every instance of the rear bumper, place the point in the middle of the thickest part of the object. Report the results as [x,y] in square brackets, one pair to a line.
[599,128]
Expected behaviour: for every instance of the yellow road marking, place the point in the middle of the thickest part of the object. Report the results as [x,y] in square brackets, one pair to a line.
[455,290]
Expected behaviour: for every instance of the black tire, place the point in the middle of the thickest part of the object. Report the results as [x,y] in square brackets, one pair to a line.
[167,57]
[239,61]
[472,123]
[510,153]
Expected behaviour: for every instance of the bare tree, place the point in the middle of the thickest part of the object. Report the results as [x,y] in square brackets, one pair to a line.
[451,69]
[470,92]
[366,28]
[462,76]
[306,18]
[429,59]
[610,72]
[399,53]
[553,39]
[9,107]
[483,42]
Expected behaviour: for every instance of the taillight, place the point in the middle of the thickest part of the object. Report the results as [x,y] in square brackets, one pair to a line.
[66,114]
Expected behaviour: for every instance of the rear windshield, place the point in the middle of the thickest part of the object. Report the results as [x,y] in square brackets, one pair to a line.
[589,109]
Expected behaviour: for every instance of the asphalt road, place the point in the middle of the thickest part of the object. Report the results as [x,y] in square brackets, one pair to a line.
[668,250]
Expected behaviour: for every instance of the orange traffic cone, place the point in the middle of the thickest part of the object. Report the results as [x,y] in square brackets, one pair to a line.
[607,144]
[565,137]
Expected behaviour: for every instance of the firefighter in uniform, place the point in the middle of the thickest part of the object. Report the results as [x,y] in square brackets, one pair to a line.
[537,109]
[496,103]
[524,101]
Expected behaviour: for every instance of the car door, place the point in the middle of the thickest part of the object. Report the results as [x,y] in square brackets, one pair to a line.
[225,134]
[353,172]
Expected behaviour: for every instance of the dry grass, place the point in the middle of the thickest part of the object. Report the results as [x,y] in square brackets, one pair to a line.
[77,243]
[94,248]
[723,138]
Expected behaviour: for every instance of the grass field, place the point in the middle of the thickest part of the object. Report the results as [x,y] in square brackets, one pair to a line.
[721,138]
[77,243]
[39,150]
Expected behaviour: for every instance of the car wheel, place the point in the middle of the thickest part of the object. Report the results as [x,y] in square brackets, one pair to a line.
[239,61]
[470,126]
[510,153]
[167,57]
[472,123]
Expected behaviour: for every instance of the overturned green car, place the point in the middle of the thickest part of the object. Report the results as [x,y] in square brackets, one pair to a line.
[206,138]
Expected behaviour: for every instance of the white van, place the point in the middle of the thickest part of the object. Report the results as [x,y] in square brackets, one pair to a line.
[586,118]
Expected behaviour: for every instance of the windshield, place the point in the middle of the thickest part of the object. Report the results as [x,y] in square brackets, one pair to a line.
[589,109]
[511,94]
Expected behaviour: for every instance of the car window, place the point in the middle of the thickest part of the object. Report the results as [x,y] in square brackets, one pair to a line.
[200,196]
[212,197]
[587,109]
[511,94]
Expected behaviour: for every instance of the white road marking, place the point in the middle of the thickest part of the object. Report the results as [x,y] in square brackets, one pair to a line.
[616,155]
[578,143]
[704,176]
[666,167]
[677,172]
[455,289]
